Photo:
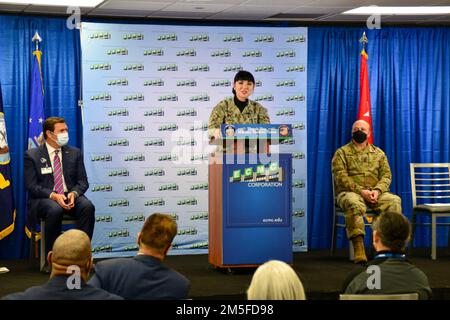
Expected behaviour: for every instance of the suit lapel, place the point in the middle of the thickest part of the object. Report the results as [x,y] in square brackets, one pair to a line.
[43,154]
[44,161]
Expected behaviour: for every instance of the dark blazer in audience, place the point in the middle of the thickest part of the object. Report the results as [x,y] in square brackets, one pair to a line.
[56,289]
[140,277]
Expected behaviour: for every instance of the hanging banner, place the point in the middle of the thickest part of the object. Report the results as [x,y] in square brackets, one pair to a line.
[148,91]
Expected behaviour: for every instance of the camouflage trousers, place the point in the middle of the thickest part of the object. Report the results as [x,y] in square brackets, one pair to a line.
[355,207]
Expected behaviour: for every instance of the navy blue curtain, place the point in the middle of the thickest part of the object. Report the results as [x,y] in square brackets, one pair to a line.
[410,96]
[61,76]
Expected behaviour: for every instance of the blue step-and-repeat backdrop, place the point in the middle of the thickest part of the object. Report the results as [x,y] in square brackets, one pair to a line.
[148,91]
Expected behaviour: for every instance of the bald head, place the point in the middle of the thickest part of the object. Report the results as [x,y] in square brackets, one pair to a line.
[360,133]
[73,247]
[361,124]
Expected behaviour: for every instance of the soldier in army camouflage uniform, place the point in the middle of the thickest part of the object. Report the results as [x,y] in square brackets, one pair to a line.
[362,178]
[239,109]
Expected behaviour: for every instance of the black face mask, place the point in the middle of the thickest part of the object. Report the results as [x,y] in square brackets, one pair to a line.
[359,136]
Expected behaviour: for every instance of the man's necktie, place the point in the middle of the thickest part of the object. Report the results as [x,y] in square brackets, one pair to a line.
[57,174]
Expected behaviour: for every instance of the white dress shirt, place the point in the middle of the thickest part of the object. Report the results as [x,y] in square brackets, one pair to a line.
[51,153]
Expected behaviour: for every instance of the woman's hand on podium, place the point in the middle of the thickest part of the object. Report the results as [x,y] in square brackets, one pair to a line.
[215,135]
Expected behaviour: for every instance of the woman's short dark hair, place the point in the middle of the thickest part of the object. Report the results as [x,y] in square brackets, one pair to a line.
[244,76]
[394,230]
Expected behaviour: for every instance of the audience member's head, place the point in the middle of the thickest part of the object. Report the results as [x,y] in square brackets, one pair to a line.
[156,236]
[275,280]
[391,232]
[72,248]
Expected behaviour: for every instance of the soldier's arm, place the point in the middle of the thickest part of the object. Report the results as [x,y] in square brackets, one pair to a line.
[263,115]
[216,118]
[342,180]
[384,175]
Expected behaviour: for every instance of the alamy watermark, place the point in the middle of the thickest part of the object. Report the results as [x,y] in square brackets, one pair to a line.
[374,21]
[189,144]
[74,20]
[374,280]
[74,280]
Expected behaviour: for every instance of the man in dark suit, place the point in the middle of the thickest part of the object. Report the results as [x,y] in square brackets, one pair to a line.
[56,180]
[145,276]
[71,262]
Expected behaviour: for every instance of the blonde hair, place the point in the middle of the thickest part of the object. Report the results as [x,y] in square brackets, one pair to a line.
[275,280]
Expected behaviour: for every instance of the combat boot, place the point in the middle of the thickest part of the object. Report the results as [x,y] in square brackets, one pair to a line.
[358,247]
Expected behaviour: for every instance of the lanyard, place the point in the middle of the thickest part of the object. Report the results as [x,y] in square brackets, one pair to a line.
[391,255]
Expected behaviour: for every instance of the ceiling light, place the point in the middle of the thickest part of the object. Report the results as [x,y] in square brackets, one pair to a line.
[63,3]
[369,10]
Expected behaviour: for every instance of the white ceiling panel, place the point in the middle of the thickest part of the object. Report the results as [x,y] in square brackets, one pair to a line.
[251,12]
[45,9]
[199,2]
[134,5]
[118,13]
[236,9]
[404,3]
[342,3]
[190,7]
[180,15]
[10,7]
[327,10]
[343,18]
[240,16]
[293,3]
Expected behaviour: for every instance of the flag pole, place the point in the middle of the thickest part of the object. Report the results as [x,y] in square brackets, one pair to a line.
[36,116]
[36,39]
[364,40]
[364,112]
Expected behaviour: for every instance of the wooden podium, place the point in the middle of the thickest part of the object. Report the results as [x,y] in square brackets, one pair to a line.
[250,198]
